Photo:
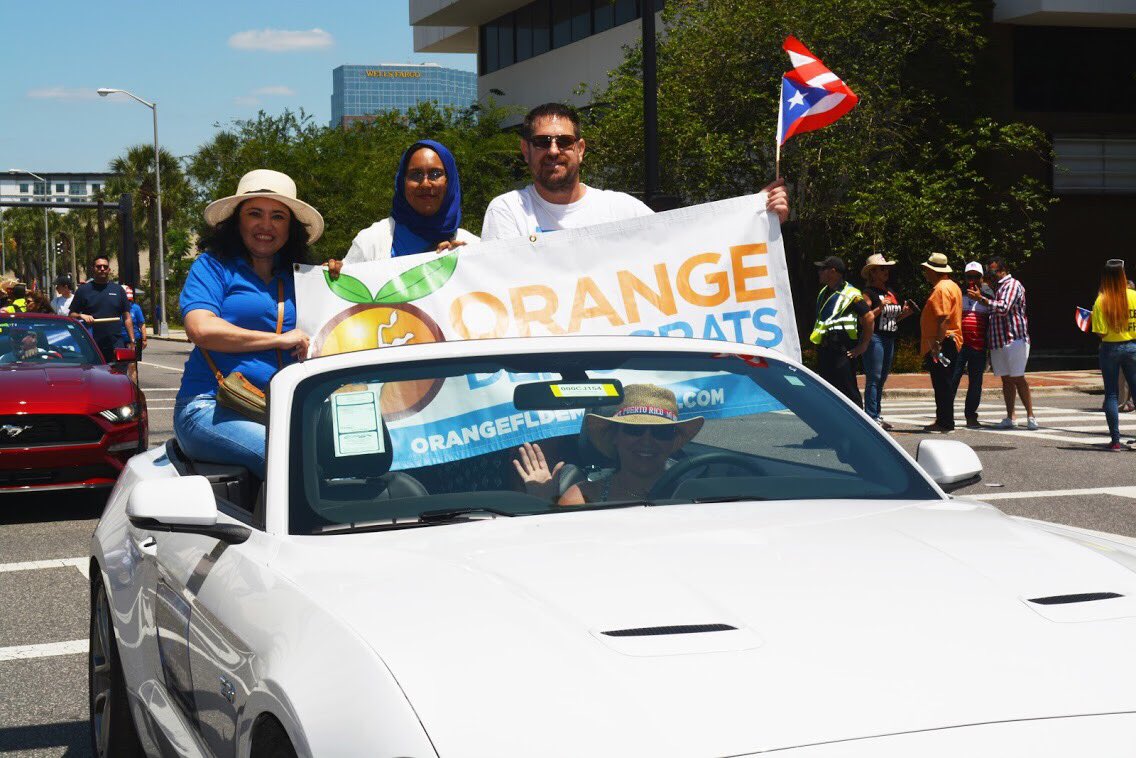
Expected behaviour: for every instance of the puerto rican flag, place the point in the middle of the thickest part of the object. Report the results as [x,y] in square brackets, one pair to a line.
[1083,319]
[811,95]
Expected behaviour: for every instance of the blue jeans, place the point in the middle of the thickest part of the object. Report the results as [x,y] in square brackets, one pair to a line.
[1114,358]
[214,434]
[972,363]
[878,360]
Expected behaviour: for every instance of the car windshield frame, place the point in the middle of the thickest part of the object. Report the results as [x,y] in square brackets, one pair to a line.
[853,438]
[87,354]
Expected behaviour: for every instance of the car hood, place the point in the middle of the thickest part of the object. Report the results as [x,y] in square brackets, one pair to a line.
[850,620]
[62,389]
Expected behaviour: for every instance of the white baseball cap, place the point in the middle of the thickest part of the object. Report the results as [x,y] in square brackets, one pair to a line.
[973,266]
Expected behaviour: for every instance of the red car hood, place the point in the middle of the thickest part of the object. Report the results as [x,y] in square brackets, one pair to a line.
[62,389]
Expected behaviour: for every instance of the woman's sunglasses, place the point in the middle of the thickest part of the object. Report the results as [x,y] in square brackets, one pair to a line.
[544,141]
[417,175]
[660,432]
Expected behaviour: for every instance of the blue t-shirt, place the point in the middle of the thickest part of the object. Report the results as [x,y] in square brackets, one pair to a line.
[102,301]
[231,289]
[139,320]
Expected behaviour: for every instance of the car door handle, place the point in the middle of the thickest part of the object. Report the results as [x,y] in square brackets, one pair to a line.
[147,546]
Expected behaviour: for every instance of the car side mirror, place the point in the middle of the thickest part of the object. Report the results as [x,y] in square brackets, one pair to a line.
[952,464]
[125,355]
[183,504]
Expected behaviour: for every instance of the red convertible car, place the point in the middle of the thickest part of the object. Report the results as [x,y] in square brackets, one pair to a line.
[67,419]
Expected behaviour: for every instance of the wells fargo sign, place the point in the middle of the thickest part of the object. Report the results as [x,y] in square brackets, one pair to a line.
[378,74]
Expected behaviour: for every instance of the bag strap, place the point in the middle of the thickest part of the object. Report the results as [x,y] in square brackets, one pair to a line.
[279,328]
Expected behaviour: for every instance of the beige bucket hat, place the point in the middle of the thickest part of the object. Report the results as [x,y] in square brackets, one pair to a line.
[875,259]
[938,262]
[264,182]
[642,404]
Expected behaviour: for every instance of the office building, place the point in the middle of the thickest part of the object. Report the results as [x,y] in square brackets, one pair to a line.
[360,92]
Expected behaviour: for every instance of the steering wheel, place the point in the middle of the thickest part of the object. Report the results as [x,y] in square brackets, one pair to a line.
[670,477]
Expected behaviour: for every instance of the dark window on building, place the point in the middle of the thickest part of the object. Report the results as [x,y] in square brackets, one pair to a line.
[1068,69]
[523,24]
[603,15]
[23,188]
[561,23]
[541,28]
[581,19]
[60,187]
[505,41]
[40,189]
[626,10]
[77,188]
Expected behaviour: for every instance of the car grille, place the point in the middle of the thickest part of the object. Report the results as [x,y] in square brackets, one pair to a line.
[40,477]
[40,430]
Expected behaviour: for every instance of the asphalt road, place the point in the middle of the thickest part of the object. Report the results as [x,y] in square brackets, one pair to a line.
[1068,476]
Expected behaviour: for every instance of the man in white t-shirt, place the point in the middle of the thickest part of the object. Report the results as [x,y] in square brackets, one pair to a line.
[61,303]
[553,149]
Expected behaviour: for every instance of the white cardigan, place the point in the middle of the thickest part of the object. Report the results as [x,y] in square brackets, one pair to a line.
[374,242]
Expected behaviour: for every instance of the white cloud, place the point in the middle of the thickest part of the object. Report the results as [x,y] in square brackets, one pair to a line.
[281,40]
[277,89]
[63,93]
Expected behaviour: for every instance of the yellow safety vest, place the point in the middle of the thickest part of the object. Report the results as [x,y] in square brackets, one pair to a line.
[842,319]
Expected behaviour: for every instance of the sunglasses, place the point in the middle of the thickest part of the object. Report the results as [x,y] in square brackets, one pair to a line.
[659,432]
[417,175]
[102,268]
[544,141]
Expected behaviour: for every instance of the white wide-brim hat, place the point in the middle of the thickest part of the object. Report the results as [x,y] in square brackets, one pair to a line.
[264,182]
[938,262]
[874,260]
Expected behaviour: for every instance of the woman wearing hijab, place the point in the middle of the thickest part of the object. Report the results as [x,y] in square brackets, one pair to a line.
[426,212]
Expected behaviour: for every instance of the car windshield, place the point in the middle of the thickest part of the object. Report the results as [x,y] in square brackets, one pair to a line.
[28,341]
[462,439]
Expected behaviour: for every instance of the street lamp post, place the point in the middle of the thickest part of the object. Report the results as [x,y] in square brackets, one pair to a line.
[46,241]
[162,323]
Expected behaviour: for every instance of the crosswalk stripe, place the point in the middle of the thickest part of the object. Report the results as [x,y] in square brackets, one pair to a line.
[46,650]
[82,564]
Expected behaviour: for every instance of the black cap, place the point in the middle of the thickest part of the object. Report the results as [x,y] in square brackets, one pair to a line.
[63,279]
[832,262]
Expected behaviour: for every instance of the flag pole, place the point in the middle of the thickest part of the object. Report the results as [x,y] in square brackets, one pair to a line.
[777,136]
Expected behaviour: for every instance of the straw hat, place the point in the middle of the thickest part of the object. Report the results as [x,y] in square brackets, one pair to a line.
[264,182]
[938,262]
[875,259]
[642,404]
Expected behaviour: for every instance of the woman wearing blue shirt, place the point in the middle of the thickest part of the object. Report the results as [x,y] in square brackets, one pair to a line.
[230,306]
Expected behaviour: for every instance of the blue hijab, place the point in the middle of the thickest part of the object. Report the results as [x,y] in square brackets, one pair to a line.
[413,232]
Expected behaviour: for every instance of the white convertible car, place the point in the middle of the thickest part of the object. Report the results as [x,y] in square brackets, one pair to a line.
[791,581]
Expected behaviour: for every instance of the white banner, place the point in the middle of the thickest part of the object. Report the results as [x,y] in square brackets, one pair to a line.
[714,271]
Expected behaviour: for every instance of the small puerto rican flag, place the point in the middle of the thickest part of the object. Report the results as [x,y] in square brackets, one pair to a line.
[1083,318]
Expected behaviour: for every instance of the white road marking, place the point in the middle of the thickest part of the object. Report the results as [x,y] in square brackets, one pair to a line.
[46,650]
[82,564]
[1117,491]
[158,365]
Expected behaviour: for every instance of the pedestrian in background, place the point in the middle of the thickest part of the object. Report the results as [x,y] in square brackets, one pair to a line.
[139,340]
[887,312]
[1114,318]
[64,294]
[38,302]
[1008,336]
[842,330]
[940,332]
[972,354]
[102,299]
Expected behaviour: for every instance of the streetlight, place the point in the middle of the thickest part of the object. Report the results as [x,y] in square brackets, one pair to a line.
[46,242]
[162,325]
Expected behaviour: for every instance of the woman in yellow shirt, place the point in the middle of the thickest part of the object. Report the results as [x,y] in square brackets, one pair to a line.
[1114,318]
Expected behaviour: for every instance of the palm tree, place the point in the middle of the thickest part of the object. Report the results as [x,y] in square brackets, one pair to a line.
[24,228]
[134,175]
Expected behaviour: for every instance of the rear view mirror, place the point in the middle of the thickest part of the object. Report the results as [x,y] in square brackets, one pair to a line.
[180,504]
[558,395]
[952,464]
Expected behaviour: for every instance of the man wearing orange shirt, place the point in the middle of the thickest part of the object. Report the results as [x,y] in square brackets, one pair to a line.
[940,331]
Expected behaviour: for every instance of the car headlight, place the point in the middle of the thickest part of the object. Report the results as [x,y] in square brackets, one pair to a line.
[119,415]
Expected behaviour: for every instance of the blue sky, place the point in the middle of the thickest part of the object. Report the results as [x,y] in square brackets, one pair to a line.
[204,62]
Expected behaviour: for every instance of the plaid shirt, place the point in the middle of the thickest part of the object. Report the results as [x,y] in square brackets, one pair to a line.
[1008,314]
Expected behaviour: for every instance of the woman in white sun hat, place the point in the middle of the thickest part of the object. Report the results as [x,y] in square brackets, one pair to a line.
[641,435]
[239,310]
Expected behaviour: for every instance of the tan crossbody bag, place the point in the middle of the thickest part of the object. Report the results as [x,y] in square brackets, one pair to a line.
[237,393]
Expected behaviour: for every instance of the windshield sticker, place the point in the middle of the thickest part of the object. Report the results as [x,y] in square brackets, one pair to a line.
[585,389]
[356,423]
[794,381]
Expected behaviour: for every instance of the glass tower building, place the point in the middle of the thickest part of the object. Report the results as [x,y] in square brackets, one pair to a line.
[362,91]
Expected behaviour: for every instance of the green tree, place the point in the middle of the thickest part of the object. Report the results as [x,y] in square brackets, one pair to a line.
[23,228]
[918,166]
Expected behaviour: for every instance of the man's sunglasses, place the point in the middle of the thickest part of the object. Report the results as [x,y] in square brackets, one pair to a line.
[101,268]
[544,141]
[663,433]
[417,175]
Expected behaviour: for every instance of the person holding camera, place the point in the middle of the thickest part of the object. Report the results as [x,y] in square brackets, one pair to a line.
[940,332]
[880,355]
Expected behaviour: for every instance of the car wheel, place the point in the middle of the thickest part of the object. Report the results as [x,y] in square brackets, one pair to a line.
[270,740]
[112,726]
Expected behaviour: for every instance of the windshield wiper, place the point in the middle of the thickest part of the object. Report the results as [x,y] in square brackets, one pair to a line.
[448,514]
